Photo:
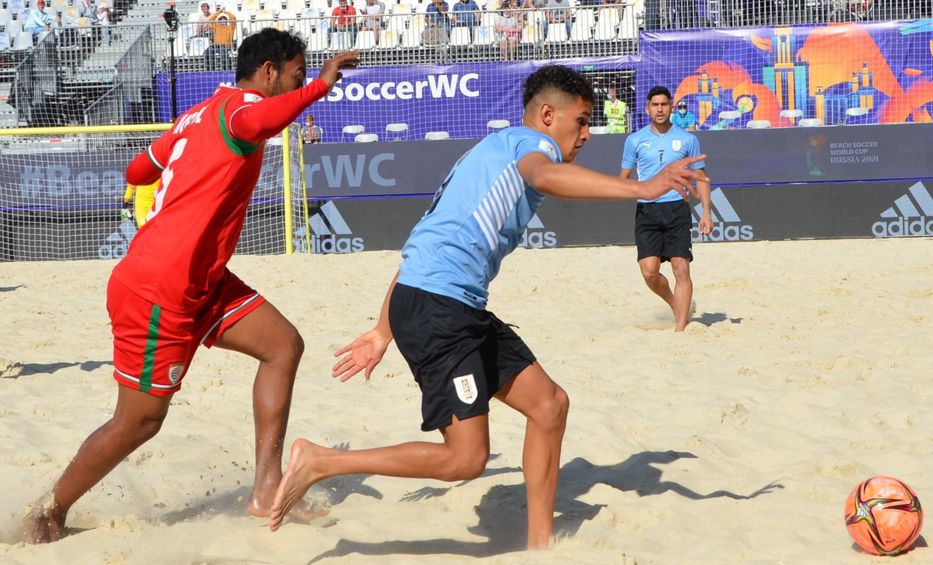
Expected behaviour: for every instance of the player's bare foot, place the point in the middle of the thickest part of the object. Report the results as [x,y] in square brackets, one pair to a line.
[302,511]
[298,478]
[44,523]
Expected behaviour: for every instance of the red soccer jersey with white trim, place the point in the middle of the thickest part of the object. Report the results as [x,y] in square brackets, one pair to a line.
[208,178]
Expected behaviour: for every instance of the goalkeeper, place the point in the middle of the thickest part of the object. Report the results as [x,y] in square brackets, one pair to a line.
[138,201]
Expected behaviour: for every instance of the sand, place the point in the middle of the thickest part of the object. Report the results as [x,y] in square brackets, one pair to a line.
[808,369]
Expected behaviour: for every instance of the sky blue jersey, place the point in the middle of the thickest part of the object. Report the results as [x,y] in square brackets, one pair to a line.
[648,152]
[478,216]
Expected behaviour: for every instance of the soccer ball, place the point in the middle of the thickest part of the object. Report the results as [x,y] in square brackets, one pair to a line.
[883,516]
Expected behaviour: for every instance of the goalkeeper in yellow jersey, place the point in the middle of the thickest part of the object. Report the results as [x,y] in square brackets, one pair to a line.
[616,112]
[139,206]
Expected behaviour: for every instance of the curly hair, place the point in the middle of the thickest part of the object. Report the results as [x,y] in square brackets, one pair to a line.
[269,44]
[559,78]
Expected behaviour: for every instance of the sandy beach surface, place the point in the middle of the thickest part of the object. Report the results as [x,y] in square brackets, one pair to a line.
[809,368]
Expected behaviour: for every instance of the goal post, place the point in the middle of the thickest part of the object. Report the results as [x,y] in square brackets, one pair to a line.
[61,191]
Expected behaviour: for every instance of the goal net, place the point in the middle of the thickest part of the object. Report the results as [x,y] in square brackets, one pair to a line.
[61,192]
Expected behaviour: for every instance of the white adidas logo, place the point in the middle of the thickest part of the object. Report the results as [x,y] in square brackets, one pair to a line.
[727,226]
[536,236]
[908,216]
[118,242]
[331,234]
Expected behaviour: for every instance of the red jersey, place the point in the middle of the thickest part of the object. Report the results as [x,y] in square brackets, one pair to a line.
[208,176]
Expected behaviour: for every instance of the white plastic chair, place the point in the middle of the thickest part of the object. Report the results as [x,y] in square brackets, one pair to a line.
[581,30]
[529,34]
[794,114]
[758,124]
[460,36]
[556,33]
[810,123]
[396,131]
[483,35]
[388,39]
[366,138]
[856,115]
[599,130]
[23,42]
[340,40]
[437,135]
[365,40]
[353,130]
[496,125]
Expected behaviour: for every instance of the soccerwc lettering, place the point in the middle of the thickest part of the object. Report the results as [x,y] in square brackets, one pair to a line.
[436,86]
[727,226]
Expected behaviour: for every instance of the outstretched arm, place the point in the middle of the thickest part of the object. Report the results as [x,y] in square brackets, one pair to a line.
[268,117]
[567,180]
[366,351]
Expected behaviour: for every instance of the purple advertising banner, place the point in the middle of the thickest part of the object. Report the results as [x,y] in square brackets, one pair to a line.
[841,73]
[460,99]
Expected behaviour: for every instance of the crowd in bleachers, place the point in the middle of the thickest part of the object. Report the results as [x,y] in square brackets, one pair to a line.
[24,23]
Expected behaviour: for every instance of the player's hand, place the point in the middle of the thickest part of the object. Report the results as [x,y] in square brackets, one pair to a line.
[126,212]
[706,224]
[330,70]
[365,352]
[677,176]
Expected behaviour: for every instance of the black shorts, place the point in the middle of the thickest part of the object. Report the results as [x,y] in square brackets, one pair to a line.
[662,229]
[460,356]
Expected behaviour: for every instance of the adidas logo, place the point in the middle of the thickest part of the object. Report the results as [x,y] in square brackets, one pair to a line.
[536,236]
[727,226]
[331,234]
[908,216]
[116,244]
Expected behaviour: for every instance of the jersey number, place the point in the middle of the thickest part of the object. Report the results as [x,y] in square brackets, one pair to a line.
[167,175]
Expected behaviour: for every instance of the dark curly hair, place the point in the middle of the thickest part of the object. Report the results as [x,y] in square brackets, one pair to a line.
[560,78]
[269,44]
[658,91]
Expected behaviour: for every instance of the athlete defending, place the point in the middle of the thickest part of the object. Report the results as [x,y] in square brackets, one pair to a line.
[173,291]
[461,354]
[662,225]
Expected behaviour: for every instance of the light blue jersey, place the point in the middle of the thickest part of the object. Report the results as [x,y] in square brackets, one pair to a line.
[477,218]
[648,152]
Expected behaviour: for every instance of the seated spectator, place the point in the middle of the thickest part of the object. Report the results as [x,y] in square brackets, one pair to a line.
[509,29]
[38,21]
[204,28]
[311,133]
[558,12]
[223,28]
[343,18]
[437,26]
[373,13]
[87,9]
[466,14]
[684,118]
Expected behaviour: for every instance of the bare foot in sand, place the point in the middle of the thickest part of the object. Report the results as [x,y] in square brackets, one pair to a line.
[298,478]
[302,511]
[44,523]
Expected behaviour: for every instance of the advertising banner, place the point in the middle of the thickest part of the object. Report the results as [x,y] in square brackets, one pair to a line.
[839,73]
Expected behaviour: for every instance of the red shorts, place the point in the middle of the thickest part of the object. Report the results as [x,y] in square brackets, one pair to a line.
[153,347]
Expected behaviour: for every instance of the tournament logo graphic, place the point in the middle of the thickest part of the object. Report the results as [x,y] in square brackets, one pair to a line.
[118,242]
[727,226]
[466,389]
[911,215]
[331,234]
[536,236]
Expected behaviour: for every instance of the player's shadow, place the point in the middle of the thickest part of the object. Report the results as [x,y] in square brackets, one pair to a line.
[502,510]
[28,369]
[710,318]
[10,288]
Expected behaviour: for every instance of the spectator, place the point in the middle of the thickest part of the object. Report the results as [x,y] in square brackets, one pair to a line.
[466,14]
[437,26]
[103,18]
[373,12]
[204,21]
[343,18]
[223,28]
[38,21]
[87,9]
[616,112]
[558,13]
[311,133]
[509,29]
[684,118]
